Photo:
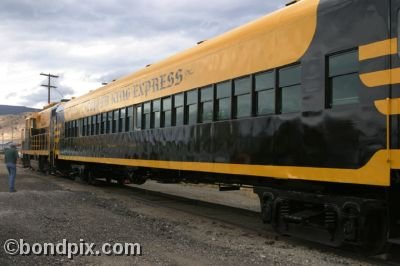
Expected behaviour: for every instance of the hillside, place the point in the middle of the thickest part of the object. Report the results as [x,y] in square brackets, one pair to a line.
[15,110]
[11,127]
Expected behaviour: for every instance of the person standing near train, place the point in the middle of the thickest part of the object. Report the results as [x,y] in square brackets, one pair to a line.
[10,159]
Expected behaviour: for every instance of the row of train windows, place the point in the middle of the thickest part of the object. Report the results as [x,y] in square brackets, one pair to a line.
[271,92]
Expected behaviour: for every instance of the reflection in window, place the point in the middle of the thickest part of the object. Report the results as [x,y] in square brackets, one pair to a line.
[156,113]
[191,106]
[206,104]
[343,79]
[290,86]
[242,93]
[223,101]
[265,93]
[147,115]
[129,118]
[178,109]
[166,112]
[138,120]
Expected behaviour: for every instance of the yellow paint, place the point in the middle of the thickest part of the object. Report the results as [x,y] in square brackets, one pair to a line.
[247,49]
[378,49]
[36,152]
[388,106]
[381,78]
[375,172]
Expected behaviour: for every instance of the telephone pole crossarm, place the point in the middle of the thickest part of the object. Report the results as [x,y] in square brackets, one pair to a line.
[48,86]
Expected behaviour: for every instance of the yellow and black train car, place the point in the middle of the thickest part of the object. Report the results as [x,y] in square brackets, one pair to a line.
[303,104]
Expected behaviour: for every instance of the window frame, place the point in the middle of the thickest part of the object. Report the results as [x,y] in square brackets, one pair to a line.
[329,79]
[288,85]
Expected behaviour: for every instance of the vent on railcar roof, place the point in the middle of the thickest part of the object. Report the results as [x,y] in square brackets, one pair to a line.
[292,2]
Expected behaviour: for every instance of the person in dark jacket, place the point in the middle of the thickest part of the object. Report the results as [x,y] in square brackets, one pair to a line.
[10,159]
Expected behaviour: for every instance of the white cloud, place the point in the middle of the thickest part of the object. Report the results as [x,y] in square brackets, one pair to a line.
[94,41]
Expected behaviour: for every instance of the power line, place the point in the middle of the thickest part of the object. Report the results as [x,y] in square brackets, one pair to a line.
[48,86]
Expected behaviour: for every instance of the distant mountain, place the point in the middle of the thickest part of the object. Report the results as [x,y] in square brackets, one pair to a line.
[14,110]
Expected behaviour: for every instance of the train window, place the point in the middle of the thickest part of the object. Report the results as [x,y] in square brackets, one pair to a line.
[290,86]
[398,33]
[138,119]
[129,117]
[224,92]
[156,113]
[178,109]
[265,93]
[109,121]
[88,126]
[191,106]
[121,122]
[66,128]
[115,121]
[103,123]
[343,80]
[93,128]
[242,99]
[75,128]
[98,121]
[147,115]
[80,133]
[166,112]
[206,104]
[84,127]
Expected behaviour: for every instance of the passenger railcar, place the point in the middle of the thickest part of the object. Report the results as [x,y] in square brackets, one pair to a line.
[303,104]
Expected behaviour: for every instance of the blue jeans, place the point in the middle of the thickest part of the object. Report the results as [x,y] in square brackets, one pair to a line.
[12,172]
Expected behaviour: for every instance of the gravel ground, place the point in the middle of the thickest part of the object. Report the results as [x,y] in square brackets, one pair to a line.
[49,209]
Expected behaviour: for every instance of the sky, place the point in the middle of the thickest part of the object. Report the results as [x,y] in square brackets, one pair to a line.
[90,42]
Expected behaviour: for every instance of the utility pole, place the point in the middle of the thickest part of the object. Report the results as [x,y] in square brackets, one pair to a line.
[48,86]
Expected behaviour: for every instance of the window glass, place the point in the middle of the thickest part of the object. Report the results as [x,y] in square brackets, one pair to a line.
[157,119]
[109,122]
[207,111]
[178,100]
[224,108]
[265,81]
[207,94]
[344,81]
[138,119]
[266,102]
[224,90]
[179,111]
[192,114]
[243,105]
[129,117]
[147,115]
[93,125]
[121,122]
[343,63]
[156,105]
[345,89]
[167,118]
[289,76]
[84,127]
[242,85]
[115,121]
[290,86]
[146,107]
[242,89]
[166,103]
[291,99]
[103,123]
[191,97]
